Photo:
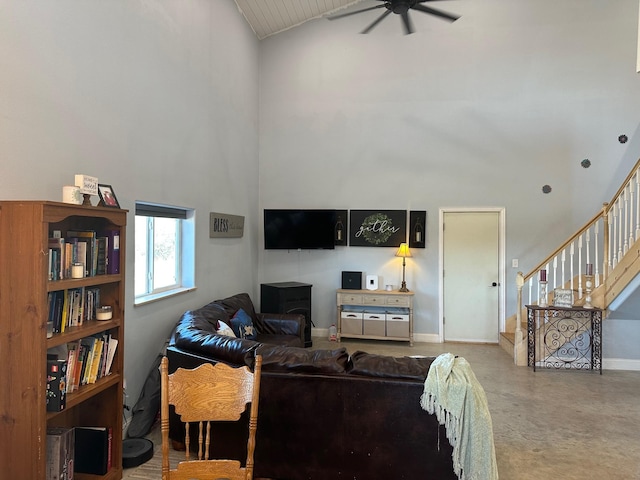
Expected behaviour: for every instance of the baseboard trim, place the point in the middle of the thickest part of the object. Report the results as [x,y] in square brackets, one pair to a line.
[620,364]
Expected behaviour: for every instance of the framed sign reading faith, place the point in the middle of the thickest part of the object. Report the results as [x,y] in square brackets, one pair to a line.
[222,225]
[377,228]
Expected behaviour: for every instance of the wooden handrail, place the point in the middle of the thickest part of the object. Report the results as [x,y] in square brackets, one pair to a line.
[605,211]
[537,268]
[624,184]
[627,191]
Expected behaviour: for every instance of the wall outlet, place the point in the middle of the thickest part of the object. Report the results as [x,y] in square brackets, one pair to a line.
[514,263]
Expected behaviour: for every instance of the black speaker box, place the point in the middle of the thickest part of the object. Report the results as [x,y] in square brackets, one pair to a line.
[352,280]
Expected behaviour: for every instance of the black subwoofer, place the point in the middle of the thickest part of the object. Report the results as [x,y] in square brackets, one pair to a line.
[288,297]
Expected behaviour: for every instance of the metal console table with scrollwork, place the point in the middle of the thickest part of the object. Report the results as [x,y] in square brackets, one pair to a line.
[564,337]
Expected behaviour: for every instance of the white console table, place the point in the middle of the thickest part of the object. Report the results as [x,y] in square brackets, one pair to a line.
[375,314]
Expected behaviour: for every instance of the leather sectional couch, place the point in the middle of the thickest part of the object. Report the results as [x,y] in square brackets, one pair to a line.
[323,414]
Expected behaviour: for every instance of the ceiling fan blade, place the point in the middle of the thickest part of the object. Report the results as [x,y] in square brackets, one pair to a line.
[341,15]
[408,27]
[432,11]
[376,22]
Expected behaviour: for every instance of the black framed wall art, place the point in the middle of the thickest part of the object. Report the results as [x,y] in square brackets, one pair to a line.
[377,228]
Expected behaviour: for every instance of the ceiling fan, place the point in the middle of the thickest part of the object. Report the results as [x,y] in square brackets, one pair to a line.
[400,7]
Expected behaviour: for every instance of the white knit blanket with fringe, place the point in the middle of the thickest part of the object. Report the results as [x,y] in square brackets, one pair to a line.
[453,393]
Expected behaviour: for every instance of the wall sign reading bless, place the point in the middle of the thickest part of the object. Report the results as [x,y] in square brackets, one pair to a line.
[377,228]
[222,225]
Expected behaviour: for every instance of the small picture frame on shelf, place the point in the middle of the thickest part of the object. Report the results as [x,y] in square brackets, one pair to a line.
[562,297]
[107,196]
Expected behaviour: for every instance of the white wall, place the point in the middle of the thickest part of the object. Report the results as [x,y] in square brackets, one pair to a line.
[149,97]
[479,113]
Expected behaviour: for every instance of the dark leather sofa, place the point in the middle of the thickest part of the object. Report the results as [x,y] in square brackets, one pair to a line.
[323,414]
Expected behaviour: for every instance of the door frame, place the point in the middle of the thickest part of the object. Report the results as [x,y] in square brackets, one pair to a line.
[501,262]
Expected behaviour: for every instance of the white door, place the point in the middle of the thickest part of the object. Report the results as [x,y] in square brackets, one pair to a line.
[471,276]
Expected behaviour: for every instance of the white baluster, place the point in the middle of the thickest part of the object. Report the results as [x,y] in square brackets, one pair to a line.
[555,270]
[596,229]
[530,290]
[625,220]
[632,191]
[580,266]
[571,260]
[614,243]
[587,243]
[620,234]
[637,205]
[563,259]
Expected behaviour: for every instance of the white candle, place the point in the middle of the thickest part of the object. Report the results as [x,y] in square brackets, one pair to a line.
[77,270]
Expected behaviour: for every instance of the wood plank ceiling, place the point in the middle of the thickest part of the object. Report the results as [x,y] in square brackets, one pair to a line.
[268,17]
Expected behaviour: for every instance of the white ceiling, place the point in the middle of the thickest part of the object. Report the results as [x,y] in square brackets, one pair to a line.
[268,17]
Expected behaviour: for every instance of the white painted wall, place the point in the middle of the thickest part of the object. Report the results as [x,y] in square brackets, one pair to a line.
[149,97]
[480,113]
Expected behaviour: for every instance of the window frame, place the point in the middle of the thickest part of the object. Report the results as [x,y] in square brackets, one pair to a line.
[184,252]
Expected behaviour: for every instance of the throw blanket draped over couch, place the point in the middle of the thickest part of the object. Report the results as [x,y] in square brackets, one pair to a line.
[323,414]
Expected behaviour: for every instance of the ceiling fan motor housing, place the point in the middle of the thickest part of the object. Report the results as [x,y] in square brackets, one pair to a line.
[399,6]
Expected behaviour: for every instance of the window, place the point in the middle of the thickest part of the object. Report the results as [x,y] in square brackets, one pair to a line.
[164,251]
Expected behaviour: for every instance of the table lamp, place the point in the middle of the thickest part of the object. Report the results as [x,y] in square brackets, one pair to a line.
[403,251]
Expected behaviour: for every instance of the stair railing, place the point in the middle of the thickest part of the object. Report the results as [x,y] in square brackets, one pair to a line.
[602,242]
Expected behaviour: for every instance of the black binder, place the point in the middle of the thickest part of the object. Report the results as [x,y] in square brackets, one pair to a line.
[92,450]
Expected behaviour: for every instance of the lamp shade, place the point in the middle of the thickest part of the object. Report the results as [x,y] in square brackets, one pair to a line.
[403,251]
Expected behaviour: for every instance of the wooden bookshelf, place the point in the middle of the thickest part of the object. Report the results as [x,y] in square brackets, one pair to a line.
[25,227]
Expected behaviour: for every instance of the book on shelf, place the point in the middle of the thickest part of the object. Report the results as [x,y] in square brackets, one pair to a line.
[56,394]
[93,450]
[60,453]
[111,352]
[81,355]
[72,361]
[102,244]
[113,251]
[72,307]
[56,258]
[87,251]
[96,358]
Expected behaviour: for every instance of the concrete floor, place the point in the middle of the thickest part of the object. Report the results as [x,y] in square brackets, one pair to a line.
[566,425]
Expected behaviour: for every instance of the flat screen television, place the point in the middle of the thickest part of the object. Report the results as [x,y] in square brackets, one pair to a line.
[299,229]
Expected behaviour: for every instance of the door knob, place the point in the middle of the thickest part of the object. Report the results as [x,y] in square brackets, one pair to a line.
[494,284]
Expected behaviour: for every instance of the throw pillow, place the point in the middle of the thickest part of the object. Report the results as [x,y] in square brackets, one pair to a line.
[242,325]
[224,329]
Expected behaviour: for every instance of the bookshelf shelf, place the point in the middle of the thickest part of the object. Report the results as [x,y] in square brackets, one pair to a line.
[25,300]
[76,333]
[88,391]
[94,281]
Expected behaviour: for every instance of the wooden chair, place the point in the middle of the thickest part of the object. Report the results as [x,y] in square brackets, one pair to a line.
[202,395]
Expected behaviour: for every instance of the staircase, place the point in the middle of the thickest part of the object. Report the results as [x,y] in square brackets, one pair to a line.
[610,241]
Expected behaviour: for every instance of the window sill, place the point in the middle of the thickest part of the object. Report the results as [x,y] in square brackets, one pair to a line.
[161,296]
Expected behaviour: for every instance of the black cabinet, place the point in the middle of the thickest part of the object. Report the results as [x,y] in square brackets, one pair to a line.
[288,297]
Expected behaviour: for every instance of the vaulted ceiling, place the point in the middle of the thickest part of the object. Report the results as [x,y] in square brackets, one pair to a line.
[268,17]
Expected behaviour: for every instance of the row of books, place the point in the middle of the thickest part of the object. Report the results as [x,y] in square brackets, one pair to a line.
[86,361]
[72,307]
[98,252]
[78,450]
